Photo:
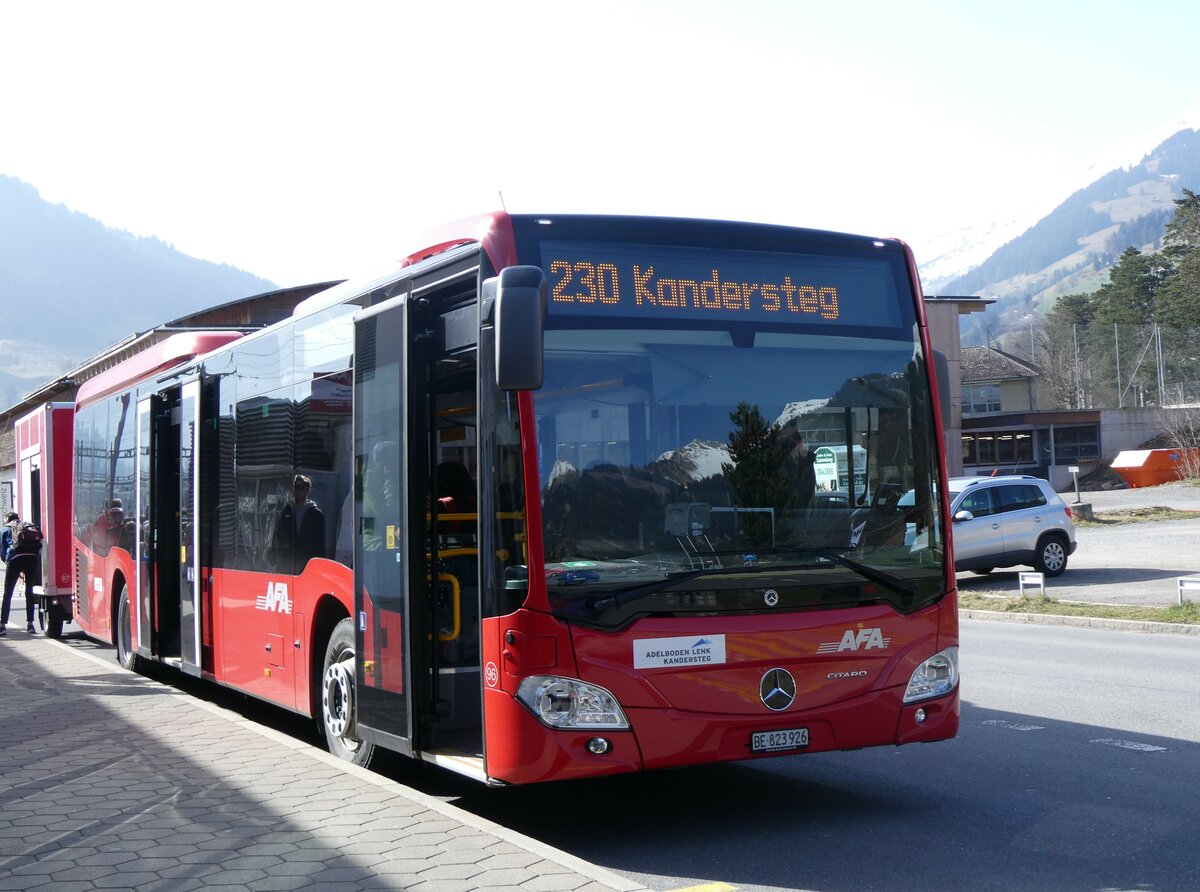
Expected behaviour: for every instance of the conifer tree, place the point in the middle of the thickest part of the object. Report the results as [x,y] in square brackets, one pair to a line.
[1130,295]
[1142,289]
[1181,252]
[756,474]
[1124,310]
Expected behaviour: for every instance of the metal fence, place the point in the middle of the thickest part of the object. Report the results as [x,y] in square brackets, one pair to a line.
[1108,366]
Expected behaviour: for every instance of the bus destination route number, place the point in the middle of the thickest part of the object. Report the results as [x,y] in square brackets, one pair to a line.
[670,282]
[647,290]
[778,741]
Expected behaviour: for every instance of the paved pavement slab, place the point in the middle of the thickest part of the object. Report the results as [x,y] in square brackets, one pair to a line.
[109,780]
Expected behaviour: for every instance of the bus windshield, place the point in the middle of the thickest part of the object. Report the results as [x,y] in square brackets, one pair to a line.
[671,452]
[679,462]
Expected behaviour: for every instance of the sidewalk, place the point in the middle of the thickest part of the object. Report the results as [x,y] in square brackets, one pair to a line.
[109,780]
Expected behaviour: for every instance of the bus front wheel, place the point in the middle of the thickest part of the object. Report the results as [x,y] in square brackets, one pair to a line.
[123,634]
[337,698]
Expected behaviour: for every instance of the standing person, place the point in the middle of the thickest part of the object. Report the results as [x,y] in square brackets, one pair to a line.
[300,529]
[800,471]
[24,558]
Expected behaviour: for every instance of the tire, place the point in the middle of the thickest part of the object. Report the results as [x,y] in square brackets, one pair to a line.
[338,698]
[983,571]
[54,621]
[1051,557]
[123,634]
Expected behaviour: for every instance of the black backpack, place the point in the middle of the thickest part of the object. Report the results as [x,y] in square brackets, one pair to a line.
[27,537]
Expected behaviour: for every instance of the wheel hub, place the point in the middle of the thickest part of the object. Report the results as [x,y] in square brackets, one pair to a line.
[337,696]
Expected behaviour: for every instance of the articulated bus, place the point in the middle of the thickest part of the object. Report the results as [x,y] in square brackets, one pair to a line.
[533,504]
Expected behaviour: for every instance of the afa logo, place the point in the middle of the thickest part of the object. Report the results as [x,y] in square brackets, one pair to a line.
[856,639]
[276,599]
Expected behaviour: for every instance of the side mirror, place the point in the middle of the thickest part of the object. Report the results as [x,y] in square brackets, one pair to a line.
[518,298]
[960,516]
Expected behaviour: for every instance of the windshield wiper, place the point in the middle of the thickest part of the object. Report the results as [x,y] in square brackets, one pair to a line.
[887,580]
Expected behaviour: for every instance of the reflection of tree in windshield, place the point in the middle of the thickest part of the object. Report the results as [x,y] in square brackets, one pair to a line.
[610,512]
[756,473]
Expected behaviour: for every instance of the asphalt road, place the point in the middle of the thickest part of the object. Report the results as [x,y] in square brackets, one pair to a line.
[1074,770]
[1134,563]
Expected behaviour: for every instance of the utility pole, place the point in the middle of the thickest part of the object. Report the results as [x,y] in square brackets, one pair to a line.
[1117,351]
[1078,374]
[1162,383]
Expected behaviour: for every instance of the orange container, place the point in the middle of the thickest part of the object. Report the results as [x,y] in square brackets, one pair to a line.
[1150,467]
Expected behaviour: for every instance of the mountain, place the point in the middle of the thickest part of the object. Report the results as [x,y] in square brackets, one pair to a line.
[71,287]
[1071,249]
[948,257]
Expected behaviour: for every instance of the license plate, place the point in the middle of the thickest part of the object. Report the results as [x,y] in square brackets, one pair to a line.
[779,741]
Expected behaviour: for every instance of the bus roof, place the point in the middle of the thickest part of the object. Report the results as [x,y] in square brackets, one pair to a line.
[166,354]
[494,232]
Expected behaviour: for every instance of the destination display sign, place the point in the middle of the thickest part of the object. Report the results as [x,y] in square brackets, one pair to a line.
[661,282]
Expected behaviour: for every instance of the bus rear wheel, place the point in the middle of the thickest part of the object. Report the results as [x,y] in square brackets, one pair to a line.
[54,618]
[337,698]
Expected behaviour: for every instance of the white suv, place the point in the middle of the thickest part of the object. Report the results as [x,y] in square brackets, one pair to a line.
[1004,521]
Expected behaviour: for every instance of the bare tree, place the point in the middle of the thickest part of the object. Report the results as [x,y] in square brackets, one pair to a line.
[1057,366]
[1181,428]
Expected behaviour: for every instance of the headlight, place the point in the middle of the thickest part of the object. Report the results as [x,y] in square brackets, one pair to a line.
[935,677]
[570,703]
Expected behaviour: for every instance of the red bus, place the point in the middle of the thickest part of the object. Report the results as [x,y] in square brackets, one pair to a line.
[537,502]
[43,446]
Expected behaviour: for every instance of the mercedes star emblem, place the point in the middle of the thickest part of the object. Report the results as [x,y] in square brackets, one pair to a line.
[777,689]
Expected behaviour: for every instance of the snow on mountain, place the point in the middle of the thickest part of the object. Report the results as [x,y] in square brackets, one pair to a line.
[698,459]
[560,468]
[1131,152]
[792,411]
[703,458]
[947,256]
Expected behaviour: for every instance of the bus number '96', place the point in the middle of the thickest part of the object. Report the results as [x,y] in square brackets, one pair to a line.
[585,283]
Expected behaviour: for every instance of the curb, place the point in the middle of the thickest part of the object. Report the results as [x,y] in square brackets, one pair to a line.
[1085,622]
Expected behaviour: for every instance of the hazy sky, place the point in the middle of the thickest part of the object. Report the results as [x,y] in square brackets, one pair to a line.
[306,141]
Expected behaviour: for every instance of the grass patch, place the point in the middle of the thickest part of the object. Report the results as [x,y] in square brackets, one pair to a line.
[1136,515]
[1188,613]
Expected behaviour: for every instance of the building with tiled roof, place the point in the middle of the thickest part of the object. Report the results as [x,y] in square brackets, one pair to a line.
[994,381]
[245,314]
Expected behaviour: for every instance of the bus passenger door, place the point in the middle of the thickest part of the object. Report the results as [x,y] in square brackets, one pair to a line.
[417,597]
[144,614]
[189,517]
[383,643]
[157,588]
[168,495]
